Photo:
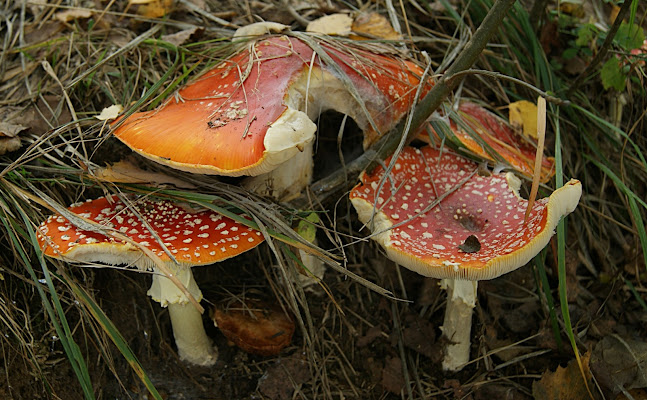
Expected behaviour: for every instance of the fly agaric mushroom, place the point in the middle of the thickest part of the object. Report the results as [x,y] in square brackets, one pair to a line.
[254,111]
[192,237]
[490,137]
[443,220]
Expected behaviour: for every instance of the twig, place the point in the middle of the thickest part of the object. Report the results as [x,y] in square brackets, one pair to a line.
[498,75]
[326,187]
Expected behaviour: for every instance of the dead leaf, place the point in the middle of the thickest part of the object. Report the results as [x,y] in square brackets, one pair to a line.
[333,24]
[154,8]
[111,112]
[502,348]
[373,26]
[8,129]
[523,117]
[32,115]
[636,394]
[392,377]
[72,14]
[281,378]
[420,336]
[126,171]
[565,383]
[179,38]
[620,363]
[8,144]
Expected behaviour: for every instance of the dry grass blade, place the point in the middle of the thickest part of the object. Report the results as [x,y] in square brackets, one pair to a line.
[541,139]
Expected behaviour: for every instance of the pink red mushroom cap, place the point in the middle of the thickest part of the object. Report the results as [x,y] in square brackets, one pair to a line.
[475,231]
[248,115]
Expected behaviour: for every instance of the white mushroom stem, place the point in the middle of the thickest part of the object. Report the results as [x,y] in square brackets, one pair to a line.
[286,181]
[457,326]
[193,344]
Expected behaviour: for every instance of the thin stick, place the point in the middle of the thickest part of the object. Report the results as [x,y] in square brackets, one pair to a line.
[539,155]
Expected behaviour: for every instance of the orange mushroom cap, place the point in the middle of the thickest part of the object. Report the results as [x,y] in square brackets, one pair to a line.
[244,117]
[192,237]
[477,231]
[496,138]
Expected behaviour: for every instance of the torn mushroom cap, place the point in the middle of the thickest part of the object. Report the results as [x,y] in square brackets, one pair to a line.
[244,117]
[486,207]
[495,140]
[192,237]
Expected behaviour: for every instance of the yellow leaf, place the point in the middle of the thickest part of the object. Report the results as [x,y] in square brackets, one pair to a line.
[155,8]
[523,118]
[333,24]
[373,26]
[306,228]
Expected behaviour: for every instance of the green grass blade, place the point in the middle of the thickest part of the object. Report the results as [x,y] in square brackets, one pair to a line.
[636,294]
[57,317]
[543,278]
[116,337]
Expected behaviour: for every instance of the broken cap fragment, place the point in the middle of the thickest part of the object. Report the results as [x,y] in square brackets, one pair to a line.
[253,111]
[490,137]
[192,237]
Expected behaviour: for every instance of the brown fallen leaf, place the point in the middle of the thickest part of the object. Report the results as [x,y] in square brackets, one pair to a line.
[392,377]
[333,24]
[154,8]
[8,144]
[565,383]
[283,377]
[620,363]
[179,38]
[126,171]
[255,326]
[373,26]
[72,14]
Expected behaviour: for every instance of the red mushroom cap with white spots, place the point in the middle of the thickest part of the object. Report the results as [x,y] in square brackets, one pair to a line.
[477,229]
[192,237]
[248,114]
[496,138]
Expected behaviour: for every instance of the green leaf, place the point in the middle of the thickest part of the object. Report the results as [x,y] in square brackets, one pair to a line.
[629,36]
[307,228]
[612,75]
[585,35]
[570,53]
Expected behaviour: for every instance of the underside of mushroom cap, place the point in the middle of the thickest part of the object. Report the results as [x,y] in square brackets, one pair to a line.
[241,118]
[476,231]
[193,237]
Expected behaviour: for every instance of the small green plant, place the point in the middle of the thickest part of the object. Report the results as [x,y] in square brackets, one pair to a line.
[631,55]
